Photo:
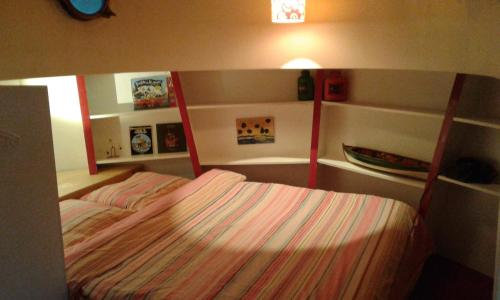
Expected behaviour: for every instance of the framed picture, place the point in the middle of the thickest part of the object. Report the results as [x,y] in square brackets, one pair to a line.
[171,138]
[150,92]
[141,141]
[258,130]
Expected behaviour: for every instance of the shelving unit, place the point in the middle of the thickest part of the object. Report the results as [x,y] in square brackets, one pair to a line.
[344,165]
[388,109]
[467,218]
[111,120]
[385,112]
[248,105]
[216,99]
[476,131]
[215,128]
[145,157]
[483,122]
[271,160]
[491,189]
[143,113]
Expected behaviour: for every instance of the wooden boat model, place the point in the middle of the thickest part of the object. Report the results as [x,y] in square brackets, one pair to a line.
[386,162]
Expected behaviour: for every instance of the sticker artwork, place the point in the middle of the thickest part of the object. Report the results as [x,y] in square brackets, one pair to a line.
[258,130]
[150,92]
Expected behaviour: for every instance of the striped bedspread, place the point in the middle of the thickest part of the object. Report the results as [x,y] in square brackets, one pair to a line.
[82,219]
[221,237]
[136,192]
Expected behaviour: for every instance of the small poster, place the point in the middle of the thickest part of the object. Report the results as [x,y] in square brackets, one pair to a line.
[255,130]
[171,138]
[150,92]
[141,141]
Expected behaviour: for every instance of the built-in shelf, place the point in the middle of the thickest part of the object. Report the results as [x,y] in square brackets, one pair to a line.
[145,157]
[270,160]
[491,189]
[344,165]
[389,109]
[483,122]
[128,113]
[247,105]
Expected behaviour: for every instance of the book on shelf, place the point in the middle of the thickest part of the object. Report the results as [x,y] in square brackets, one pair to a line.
[141,141]
[171,138]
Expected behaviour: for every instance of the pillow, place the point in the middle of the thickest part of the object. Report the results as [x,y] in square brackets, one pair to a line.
[82,219]
[137,191]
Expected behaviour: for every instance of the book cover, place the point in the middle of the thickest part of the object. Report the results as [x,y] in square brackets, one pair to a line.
[150,92]
[171,138]
[141,141]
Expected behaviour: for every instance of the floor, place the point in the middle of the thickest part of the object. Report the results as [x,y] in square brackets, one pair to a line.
[445,279]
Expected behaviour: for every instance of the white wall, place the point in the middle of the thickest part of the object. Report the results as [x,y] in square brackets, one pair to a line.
[66,119]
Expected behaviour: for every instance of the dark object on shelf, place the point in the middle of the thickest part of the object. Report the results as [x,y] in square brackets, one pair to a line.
[305,86]
[171,138]
[335,87]
[472,170]
[172,98]
[86,10]
[141,141]
[386,162]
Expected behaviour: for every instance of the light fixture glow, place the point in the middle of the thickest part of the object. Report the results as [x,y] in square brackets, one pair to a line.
[288,11]
[301,63]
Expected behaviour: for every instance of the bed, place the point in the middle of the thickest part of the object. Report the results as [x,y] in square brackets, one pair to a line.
[220,236]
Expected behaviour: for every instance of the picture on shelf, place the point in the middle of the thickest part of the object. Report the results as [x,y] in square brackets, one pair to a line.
[171,138]
[258,130]
[141,141]
[151,92]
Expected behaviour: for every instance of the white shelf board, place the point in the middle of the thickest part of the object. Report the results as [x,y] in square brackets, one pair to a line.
[491,189]
[344,165]
[483,122]
[389,109]
[246,105]
[128,113]
[145,157]
[270,160]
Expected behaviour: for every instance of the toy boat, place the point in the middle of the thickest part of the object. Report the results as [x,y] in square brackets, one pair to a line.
[386,162]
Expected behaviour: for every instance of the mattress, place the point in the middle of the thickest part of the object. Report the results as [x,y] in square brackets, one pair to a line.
[221,237]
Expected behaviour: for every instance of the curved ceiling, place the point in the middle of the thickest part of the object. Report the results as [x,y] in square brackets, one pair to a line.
[40,39]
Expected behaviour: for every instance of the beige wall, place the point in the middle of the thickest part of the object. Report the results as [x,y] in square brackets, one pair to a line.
[39,39]
[31,250]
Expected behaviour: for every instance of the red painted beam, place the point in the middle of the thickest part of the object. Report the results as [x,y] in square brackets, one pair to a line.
[313,159]
[87,127]
[181,103]
[441,145]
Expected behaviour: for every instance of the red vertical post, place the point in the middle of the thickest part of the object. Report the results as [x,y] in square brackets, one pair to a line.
[181,103]
[313,159]
[87,127]
[440,147]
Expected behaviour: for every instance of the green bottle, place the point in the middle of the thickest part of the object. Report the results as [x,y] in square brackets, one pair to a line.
[305,86]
